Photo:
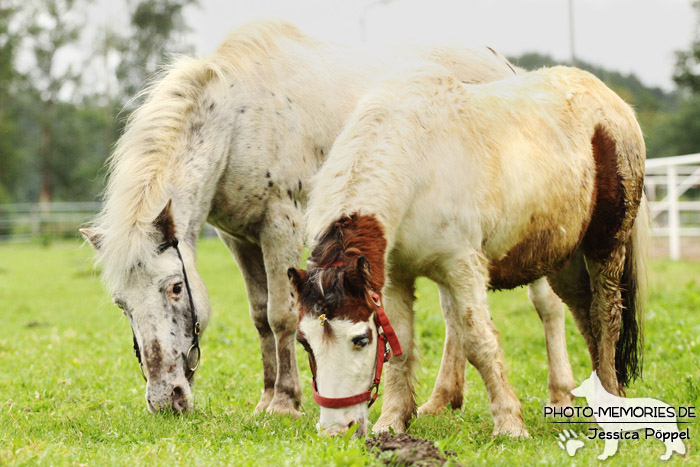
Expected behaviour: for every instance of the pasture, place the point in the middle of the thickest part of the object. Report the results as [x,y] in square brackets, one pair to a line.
[71,392]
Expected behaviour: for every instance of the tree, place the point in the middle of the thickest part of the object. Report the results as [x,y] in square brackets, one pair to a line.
[54,25]
[158,28]
[687,73]
[9,133]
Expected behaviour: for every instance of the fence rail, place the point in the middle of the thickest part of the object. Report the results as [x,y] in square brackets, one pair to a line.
[672,185]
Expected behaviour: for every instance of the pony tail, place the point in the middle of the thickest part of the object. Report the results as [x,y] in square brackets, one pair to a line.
[630,346]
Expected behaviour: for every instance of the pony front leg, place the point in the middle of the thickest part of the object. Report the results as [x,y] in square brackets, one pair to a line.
[551,311]
[250,261]
[449,385]
[282,246]
[399,403]
[468,286]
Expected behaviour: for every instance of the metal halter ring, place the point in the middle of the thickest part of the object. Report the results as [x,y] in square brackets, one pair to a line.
[187,358]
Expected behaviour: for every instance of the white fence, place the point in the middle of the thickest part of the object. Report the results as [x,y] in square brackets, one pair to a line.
[673,188]
[28,221]
[672,185]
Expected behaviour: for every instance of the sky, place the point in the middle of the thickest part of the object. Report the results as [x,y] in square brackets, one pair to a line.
[630,36]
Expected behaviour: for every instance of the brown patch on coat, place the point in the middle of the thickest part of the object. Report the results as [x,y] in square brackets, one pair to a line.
[348,263]
[530,259]
[153,355]
[609,199]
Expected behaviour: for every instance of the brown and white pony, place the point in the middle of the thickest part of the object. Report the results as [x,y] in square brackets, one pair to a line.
[232,140]
[476,187]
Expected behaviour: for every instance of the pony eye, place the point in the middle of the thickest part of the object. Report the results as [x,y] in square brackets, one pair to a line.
[360,341]
[177,288]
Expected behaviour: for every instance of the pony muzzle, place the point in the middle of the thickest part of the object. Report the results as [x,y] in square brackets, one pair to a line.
[335,422]
[173,396]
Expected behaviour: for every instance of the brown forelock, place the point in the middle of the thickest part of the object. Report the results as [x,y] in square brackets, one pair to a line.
[609,198]
[339,281]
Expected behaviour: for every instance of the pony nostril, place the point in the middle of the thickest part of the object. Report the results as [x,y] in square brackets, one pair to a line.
[178,397]
[350,425]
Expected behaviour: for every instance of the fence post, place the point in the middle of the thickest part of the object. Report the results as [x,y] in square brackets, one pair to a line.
[674,234]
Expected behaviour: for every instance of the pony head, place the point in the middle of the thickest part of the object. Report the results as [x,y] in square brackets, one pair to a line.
[153,293]
[337,330]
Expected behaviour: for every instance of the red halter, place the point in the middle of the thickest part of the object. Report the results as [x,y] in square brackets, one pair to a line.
[386,335]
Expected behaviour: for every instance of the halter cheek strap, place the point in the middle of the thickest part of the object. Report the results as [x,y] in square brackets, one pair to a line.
[196,331]
[386,336]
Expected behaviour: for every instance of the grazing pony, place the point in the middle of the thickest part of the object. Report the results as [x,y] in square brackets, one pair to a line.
[232,140]
[475,187]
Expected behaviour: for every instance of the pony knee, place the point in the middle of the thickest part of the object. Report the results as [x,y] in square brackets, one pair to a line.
[282,321]
[258,313]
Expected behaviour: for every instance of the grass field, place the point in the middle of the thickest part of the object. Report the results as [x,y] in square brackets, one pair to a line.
[71,392]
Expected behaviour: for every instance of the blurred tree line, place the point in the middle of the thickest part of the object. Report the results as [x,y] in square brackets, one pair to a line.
[58,123]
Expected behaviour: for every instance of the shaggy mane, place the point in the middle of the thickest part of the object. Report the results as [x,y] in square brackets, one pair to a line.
[337,281]
[147,154]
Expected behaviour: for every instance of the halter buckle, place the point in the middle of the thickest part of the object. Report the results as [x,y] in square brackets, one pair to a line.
[196,329]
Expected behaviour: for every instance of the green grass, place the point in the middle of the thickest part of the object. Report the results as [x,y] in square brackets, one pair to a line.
[71,392]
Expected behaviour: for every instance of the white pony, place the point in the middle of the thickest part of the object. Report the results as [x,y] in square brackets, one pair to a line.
[474,186]
[232,140]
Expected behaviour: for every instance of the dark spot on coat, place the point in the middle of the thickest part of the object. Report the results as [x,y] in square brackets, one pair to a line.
[289,193]
[267,174]
[242,110]
[269,184]
[289,100]
[211,107]
[299,185]
[154,359]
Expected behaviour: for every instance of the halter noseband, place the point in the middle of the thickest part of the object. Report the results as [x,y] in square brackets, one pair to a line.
[195,322]
[386,335]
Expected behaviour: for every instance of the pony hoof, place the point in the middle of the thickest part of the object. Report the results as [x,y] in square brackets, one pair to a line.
[264,403]
[431,408]
[285,406]
[561,402]
[513,430]
[387,425]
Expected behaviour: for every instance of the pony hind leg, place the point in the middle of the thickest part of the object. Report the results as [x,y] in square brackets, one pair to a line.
[281,244]
[606,313]
[449,385]
[399,402]
[572,285]
[468,287]
[551,311]
[250,261]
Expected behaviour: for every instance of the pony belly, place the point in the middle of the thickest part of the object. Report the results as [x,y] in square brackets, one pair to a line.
[537,254]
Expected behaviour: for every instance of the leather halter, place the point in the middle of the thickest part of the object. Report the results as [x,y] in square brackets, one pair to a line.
[386,335]
[195,323]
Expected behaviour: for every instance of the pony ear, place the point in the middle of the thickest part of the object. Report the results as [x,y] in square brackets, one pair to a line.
[297,278]
[92,236]
[164,223]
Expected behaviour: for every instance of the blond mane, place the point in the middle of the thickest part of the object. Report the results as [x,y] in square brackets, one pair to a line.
[146,155]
